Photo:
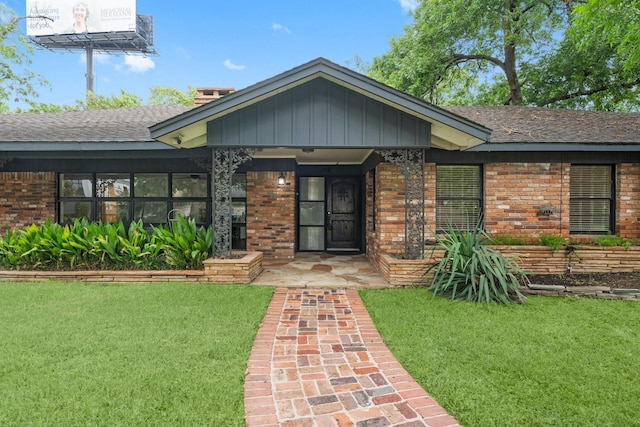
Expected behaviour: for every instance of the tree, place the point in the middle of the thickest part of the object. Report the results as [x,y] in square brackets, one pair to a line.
[98,102]
[16,80]
[166,95]
[617,20]
[504,52]
[160,95]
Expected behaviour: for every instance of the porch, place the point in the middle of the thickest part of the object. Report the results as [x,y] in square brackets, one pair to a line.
[321,270]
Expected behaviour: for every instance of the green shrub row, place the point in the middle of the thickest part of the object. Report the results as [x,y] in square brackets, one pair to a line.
[557,242]
[86,245]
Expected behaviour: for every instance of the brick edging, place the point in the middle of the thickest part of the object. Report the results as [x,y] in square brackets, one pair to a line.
[259,406]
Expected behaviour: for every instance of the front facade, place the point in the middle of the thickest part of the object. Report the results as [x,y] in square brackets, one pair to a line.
[321,158]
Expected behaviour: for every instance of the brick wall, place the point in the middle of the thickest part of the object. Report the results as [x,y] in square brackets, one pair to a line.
[628,200]
[271,214]
[370,226]
[515,192]
[389,199]
[27,198]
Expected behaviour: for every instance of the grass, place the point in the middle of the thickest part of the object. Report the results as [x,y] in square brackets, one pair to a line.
[549,362]
[135,354]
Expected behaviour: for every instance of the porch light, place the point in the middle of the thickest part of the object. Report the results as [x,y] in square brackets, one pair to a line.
[282,180]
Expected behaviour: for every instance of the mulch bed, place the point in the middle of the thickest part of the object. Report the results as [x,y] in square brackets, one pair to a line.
[612,280]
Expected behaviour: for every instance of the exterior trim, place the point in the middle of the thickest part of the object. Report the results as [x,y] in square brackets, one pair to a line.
[521,147]
[318,68]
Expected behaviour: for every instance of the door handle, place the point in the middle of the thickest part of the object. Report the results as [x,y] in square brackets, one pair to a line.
[328,220]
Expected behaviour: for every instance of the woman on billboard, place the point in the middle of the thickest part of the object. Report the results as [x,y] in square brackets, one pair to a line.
[80,17]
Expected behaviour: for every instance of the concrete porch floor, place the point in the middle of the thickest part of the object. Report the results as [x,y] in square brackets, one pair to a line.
[319,270]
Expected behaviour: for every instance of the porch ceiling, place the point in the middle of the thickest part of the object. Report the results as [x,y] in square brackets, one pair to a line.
[448,131]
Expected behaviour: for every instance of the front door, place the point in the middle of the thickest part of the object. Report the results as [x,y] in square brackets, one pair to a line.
[343,214]
[329,211]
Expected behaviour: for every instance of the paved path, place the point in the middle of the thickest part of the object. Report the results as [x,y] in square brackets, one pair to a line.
[318,361]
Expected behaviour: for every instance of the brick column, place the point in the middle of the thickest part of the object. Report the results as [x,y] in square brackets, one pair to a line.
[271,214]
[628,200]
[27,198]
[390,200]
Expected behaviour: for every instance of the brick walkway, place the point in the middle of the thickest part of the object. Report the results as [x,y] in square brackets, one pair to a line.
[318,361]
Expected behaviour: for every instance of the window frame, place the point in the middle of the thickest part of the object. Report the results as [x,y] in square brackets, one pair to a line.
[239,226]
[611,200]
[131,198]
[442,228]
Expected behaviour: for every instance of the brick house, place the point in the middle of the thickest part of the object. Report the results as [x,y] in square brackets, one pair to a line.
[321,158]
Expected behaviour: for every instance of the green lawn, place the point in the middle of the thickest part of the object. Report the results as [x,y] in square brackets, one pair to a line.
[549,362]
[131,354]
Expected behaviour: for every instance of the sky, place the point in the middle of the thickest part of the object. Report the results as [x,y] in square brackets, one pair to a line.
[232,43]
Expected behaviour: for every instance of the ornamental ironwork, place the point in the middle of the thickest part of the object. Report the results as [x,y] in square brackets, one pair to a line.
[412,163]
[225,162]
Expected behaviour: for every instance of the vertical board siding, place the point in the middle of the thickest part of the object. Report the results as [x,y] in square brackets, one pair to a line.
[319,114]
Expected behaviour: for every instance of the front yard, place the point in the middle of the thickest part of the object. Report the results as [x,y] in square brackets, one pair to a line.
[549,362]
[134,354]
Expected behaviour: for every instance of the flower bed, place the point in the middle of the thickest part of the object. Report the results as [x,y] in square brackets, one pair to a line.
[531,258]
[242,269]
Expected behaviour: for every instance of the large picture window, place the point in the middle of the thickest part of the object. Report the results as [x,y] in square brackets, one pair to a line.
[591,199]
[458,196]
[127,197]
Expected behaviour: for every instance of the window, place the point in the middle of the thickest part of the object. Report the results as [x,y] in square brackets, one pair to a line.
[458,196]
[591,199]
[311,214]
[127,197]
[239,211]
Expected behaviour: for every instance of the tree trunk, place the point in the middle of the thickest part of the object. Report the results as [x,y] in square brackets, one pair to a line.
[510,28]
[515,94]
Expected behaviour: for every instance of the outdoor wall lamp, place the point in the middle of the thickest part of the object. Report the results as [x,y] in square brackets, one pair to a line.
[282,180]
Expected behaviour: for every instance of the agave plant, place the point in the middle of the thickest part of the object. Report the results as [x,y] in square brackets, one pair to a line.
[471,271]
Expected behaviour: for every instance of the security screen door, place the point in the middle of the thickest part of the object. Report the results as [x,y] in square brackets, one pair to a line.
[329,214]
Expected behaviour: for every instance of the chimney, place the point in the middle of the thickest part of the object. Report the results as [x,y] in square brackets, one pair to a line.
[208,94]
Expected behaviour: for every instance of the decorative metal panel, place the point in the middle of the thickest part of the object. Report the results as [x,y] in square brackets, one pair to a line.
[225,163]
[412,163]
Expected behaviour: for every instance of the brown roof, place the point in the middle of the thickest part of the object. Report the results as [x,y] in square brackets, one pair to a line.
[111,125]
[510,124]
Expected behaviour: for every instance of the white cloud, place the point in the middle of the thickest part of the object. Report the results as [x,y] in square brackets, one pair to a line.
[279,27]
[139,64]
[230,65]
[408,5]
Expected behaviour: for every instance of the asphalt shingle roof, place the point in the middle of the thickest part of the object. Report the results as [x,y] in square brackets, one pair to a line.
[510,124]
[112,125]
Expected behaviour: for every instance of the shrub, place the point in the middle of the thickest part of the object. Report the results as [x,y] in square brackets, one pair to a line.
[504,239]
[471,271]
[90,245]
[553,242]
[184,244]
[611,241]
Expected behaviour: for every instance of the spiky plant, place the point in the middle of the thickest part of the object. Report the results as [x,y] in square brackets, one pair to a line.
[471,271]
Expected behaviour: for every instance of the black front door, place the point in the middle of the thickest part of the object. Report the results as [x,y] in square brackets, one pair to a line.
[343,214]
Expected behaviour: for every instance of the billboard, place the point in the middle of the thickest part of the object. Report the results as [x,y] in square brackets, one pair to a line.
[80,17]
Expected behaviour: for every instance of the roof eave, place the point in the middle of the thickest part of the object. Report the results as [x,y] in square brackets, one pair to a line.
[555,147]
